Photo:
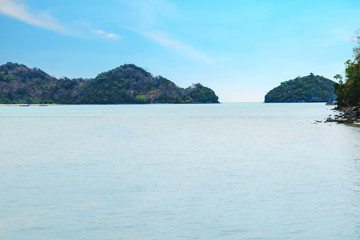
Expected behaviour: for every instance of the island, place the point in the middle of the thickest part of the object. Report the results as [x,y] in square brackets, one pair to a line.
[311,88]
[127,84]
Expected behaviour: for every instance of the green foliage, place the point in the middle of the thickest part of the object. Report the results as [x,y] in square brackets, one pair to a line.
[125,84]
[9,78]
[348,93]
[311,88]
[339,78]
[142,99]
[199,94]
[29,100]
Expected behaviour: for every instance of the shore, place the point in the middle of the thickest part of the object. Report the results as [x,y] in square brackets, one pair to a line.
[356,123]
[347,115]
[26,104]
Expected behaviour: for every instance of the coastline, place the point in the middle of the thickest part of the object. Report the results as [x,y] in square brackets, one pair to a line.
[347,115]
[355,123]
[74,104]
[26,104]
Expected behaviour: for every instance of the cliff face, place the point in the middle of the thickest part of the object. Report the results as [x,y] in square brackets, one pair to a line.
[311,88]
[125,84]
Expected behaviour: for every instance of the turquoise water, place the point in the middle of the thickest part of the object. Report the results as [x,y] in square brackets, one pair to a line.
[224,171]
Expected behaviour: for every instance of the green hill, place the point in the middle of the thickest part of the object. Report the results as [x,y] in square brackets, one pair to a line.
[311,88]
[125,84]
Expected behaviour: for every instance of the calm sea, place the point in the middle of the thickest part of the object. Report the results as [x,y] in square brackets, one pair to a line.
[167,172]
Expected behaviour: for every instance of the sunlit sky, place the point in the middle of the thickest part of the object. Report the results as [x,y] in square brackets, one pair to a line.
[240,49]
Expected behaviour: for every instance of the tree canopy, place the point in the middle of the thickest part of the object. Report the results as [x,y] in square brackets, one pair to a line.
[125,84]
[311,88]
[348,92]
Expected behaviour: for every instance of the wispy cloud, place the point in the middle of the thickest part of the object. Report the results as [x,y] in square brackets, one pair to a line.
[150,10]
[106,34]
[21,12]
[179,47]
[153,14]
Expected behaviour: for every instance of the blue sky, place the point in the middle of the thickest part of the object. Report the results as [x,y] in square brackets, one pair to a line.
[241,49]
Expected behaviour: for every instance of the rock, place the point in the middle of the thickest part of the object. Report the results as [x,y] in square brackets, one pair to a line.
[349,115]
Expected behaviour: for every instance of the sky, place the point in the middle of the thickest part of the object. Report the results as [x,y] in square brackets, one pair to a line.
[240,49]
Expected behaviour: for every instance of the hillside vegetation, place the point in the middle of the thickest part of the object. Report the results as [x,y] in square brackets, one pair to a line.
[348,92]
[125,84]
[311,88]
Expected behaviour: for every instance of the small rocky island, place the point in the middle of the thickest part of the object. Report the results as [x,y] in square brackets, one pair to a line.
[311,88]
[127,84]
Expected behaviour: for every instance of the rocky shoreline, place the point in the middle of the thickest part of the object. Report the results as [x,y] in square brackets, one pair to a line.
[349,115]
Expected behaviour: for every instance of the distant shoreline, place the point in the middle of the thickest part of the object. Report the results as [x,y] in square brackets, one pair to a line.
[90,104]
[31,104]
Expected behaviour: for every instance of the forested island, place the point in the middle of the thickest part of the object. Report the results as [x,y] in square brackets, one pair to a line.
[311,88]
[127,84]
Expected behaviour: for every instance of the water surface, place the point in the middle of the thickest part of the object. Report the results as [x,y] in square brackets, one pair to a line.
[222,171]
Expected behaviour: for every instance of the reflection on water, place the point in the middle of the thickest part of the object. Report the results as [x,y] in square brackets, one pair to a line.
[226,171]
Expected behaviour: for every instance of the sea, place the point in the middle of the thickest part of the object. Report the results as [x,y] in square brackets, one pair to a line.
[178,171]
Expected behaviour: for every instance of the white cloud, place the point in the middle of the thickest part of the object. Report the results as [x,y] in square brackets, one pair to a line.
[20,12]
[150,10]
[100,32]
[154,14]
[105,34]
[181,48]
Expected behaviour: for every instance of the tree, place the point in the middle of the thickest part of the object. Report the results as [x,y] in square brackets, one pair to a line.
[9,78]
[348,93]
[339,78]
[142,99]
